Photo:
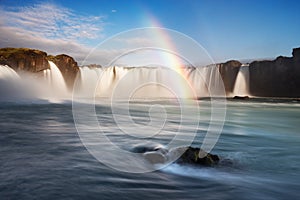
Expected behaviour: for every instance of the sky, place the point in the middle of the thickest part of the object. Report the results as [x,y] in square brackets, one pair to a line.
[225,29]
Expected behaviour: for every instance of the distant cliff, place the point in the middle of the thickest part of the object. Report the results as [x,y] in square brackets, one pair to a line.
[32,60]
[276,78]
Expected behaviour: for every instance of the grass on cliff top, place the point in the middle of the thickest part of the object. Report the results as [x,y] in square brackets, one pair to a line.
[51,58]
[6,52]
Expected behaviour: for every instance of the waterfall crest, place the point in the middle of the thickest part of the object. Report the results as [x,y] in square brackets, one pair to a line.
[150,82]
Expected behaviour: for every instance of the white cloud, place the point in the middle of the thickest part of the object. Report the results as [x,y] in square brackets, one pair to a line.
[138,41]
[50,28]
[52,21]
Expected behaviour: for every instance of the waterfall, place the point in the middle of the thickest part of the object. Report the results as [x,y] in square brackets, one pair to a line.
[206,81]
[117,82]
[124,82]
[56,86]
[10,84]
[149,82]
[241,86]
[7,73]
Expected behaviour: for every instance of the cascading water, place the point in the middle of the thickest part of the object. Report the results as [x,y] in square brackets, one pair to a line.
[120,82]
[55,80]
[207,81]
[7,73]
[150,82]
[54,88]
[10,84]
[241,87]
[137,82]
[51,86]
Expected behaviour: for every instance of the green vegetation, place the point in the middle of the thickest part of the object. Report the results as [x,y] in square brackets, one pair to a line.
[19,52]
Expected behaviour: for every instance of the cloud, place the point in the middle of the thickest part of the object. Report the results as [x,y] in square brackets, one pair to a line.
[50,28]
[52,21]
[113,11]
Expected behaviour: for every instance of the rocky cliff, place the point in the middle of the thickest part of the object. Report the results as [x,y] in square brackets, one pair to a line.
[32,60]
[228,72]
[276,78]
[23,59]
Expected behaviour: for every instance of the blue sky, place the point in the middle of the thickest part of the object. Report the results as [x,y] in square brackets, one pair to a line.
[227,29]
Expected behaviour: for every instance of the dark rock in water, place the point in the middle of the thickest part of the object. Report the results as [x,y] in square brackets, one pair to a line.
[24,59]
[241,97]
[68,67]
[157,154]
[191,156]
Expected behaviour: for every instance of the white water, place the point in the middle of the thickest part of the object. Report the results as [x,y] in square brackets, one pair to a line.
[10,84]
[150,82]
[241,87]
[48,86]
[55,81]
[130,82]
[7,73]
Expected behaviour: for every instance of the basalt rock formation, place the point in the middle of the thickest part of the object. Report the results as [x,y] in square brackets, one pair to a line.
[276,78]
[228,72]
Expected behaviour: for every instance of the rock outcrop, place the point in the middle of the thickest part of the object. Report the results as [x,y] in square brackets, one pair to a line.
[68,67]
[23,59]
[276,78]
[157,154]
[228,72]
[35,61]
[191,156]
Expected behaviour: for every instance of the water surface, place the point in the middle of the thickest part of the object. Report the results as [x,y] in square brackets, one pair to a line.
[42,157]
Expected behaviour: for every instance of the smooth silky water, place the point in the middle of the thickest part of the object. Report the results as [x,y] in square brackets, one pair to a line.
[42,156]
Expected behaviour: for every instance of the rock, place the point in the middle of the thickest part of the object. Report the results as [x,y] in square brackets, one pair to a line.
[24,59]
[93,66]
[241,97]
[276,78]
[228,72]
[182,155]
[191,156]
[296,54]
[68,67]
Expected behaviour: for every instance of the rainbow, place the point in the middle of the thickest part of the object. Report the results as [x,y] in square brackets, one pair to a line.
[162,37]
